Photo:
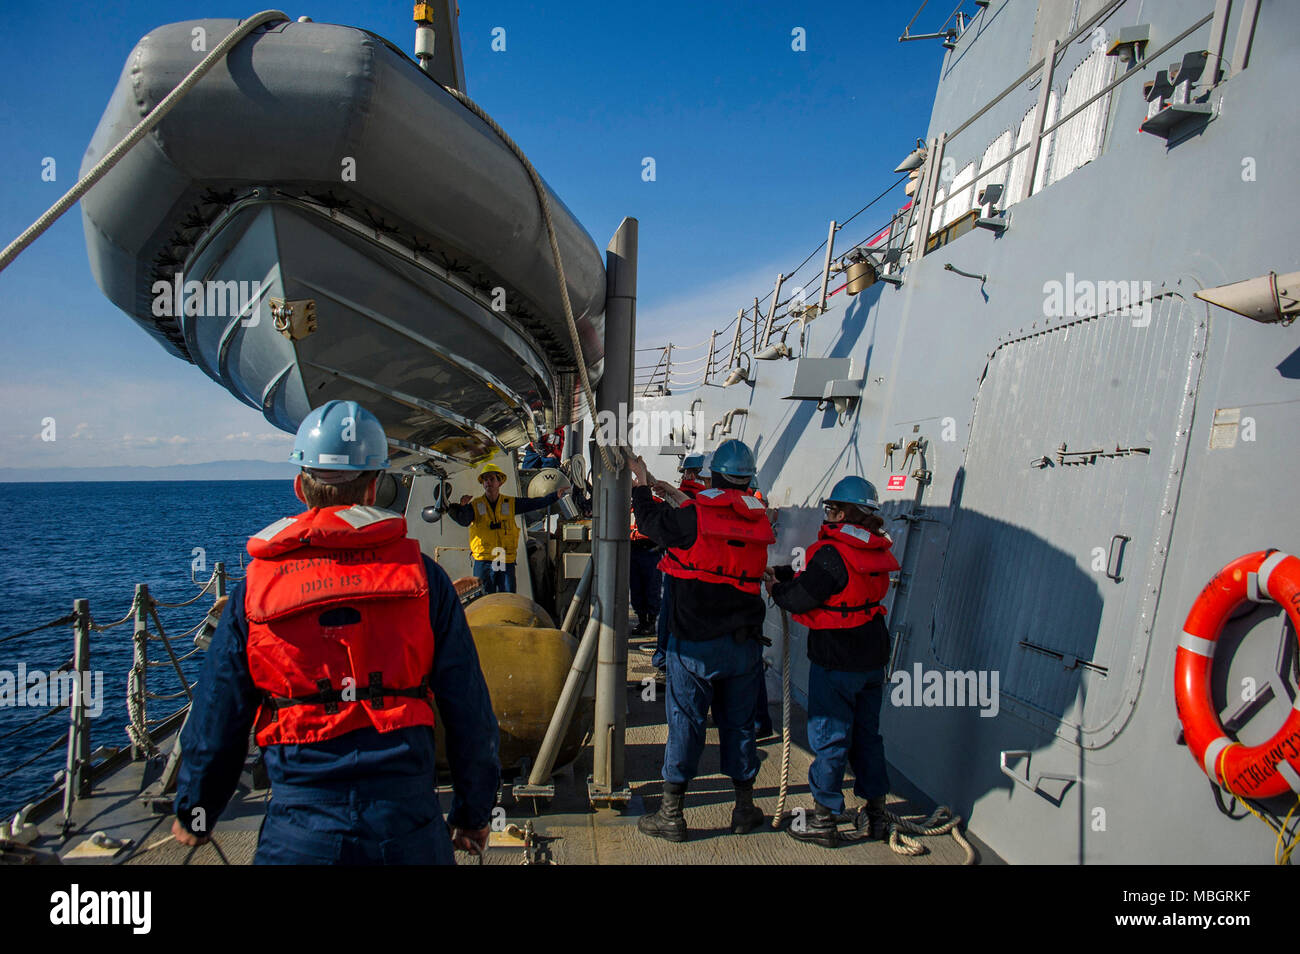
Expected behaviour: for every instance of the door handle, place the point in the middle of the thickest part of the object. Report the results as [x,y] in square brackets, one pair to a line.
[1116,556]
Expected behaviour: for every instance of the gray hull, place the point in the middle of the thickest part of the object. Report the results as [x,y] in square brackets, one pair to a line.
[1069,577]
[320,162]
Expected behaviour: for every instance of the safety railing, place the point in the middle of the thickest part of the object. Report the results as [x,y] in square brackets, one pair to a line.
[142,730]
[796,298]
[909,229]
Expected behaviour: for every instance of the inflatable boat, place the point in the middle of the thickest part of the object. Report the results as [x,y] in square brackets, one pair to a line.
[318,218]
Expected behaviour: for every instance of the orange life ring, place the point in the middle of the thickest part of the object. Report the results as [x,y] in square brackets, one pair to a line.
[1259,771]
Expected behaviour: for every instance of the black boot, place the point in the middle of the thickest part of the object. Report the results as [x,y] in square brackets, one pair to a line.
[667,823]
[746,816]
[872,823]
[819,827]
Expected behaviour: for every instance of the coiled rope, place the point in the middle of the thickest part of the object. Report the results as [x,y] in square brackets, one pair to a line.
[941,821]
[613,462]
[141,130]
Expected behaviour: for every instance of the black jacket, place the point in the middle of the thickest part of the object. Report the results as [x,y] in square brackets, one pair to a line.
[701,610]
[858,649]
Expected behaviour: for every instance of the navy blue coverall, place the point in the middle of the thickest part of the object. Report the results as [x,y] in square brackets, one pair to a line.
[713,658]
[365,797]
[846,679]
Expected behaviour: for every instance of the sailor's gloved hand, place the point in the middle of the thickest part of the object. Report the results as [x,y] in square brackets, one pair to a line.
[639,471]
[466,500]
[185,836]
[475,842]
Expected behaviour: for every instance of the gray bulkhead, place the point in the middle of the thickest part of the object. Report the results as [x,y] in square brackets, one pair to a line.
[1068,575]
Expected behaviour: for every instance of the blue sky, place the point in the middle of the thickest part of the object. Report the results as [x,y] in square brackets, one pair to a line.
[756,146]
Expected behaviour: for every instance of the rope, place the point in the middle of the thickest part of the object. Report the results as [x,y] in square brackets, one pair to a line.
[202,593]
[941,821]
[786,705]
[613,461]
[36,629]
[44,715]
[130,614]
[53,745]
[136,729]
[1283,847]
[134,136]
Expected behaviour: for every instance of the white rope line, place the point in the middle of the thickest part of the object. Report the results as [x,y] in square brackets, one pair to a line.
[156,114]
[612,456]
[786,704]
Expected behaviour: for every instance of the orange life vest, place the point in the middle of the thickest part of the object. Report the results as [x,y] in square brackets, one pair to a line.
[868,561]
[369,665]
[731,541]
[692,487]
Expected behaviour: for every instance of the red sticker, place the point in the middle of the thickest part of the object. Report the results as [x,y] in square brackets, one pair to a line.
[897,482]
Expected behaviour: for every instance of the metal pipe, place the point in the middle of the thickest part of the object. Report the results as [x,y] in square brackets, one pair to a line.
[579,600]
[771,312]
[826,266]
[139,663]
[1040,121]
[933,162]
[76,777]
[612,543]
[735,344]
[540,774]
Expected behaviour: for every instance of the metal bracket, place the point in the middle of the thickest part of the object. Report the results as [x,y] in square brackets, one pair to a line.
[294,319]
[1036,785]
[602,798]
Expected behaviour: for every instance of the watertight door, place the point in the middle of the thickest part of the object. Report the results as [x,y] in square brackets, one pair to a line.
[1059,543]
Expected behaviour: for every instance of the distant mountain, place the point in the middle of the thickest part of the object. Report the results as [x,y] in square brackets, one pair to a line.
[212,470]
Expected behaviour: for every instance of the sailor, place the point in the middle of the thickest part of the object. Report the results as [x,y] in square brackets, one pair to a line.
[716,554]
[690,468]
[333,650]
[763,727]
[544,453]
[493,532]
[646,581]
[837,596]
[686,489]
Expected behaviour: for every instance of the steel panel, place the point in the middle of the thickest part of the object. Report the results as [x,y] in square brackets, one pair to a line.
[1023,560]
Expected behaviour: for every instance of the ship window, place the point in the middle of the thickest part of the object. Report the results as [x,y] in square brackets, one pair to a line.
[961,199]
[1079,140]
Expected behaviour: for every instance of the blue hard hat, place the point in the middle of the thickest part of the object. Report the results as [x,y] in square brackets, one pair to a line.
[340,435]
[856,491]
[692,462]
[733,458]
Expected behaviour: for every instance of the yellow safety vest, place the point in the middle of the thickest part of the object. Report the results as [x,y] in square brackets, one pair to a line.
[484,538]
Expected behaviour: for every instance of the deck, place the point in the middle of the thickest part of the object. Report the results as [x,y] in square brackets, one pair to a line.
[569,831]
